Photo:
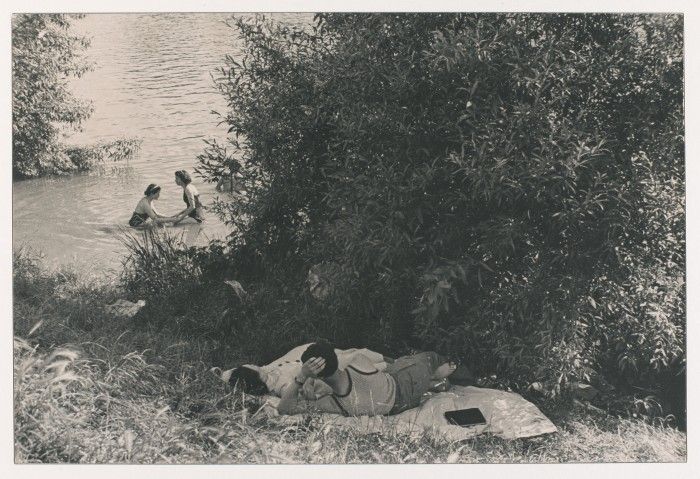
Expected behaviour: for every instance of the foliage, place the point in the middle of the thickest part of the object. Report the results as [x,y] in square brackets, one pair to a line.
[159,269]
[86,158]
[505,188]
[215,164]
[187,285]
[45,56]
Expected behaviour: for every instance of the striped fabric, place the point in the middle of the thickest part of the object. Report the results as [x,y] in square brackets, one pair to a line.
[371,394]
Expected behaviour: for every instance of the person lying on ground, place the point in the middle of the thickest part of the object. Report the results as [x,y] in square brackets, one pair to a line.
[360,389]
[275,377]
[145,209]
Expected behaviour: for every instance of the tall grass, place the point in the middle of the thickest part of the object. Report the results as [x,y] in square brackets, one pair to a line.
[70,408]
[185,288]
[157,264]
[91,387]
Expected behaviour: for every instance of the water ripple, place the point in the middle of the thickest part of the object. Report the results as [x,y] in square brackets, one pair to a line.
[152,80]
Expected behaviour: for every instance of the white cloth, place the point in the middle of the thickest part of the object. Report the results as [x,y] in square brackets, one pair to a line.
[508,415]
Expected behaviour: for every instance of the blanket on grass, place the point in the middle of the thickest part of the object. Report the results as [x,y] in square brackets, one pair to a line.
[508,415]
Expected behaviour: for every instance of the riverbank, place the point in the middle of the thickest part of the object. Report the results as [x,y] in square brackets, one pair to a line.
[92,387]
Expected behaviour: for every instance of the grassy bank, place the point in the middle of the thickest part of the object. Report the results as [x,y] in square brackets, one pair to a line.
[92,387]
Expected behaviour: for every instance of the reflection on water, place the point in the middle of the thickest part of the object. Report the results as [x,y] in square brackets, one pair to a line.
[152,80]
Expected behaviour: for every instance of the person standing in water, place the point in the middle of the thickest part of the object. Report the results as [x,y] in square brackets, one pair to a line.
[145,209]
[190,195]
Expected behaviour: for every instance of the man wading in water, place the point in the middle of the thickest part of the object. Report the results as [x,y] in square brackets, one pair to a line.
[360,389]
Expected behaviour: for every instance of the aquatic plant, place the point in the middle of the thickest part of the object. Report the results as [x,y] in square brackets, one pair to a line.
[87,157]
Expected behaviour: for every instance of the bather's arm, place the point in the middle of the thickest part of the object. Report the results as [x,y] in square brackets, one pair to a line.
[157,217]
[183,214]
[291,402]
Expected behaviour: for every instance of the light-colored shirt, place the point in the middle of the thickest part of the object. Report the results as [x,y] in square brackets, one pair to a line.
[191,193]
[370,394]
[282,371]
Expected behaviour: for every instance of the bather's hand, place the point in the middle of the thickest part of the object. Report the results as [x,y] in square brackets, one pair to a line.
[312,367]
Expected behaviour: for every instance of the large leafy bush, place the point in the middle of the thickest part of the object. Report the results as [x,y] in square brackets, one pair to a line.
[46,54]
[504,188]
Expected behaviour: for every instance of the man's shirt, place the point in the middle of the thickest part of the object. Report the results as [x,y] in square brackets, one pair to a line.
[282,371]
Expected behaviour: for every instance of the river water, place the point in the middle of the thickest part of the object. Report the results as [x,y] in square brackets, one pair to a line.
[151,80]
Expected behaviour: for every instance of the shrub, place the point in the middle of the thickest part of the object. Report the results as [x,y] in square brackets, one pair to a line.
[85,158]
[502,187]
[45,55]
[185,290]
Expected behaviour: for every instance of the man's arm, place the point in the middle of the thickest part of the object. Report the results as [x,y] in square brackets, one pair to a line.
[298,405]
[316,389]
[291,403]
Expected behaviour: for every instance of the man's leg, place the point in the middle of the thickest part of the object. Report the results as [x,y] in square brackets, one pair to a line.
[414,376]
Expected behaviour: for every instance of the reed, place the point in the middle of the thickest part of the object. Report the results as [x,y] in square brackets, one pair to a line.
[159,268]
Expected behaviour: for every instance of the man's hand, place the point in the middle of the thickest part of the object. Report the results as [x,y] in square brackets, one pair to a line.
[312,367]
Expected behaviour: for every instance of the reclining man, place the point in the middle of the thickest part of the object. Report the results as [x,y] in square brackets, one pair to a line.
[275,377]
[360,389]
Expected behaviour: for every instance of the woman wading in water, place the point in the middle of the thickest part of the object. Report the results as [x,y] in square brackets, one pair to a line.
[190,195]
[145,210]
